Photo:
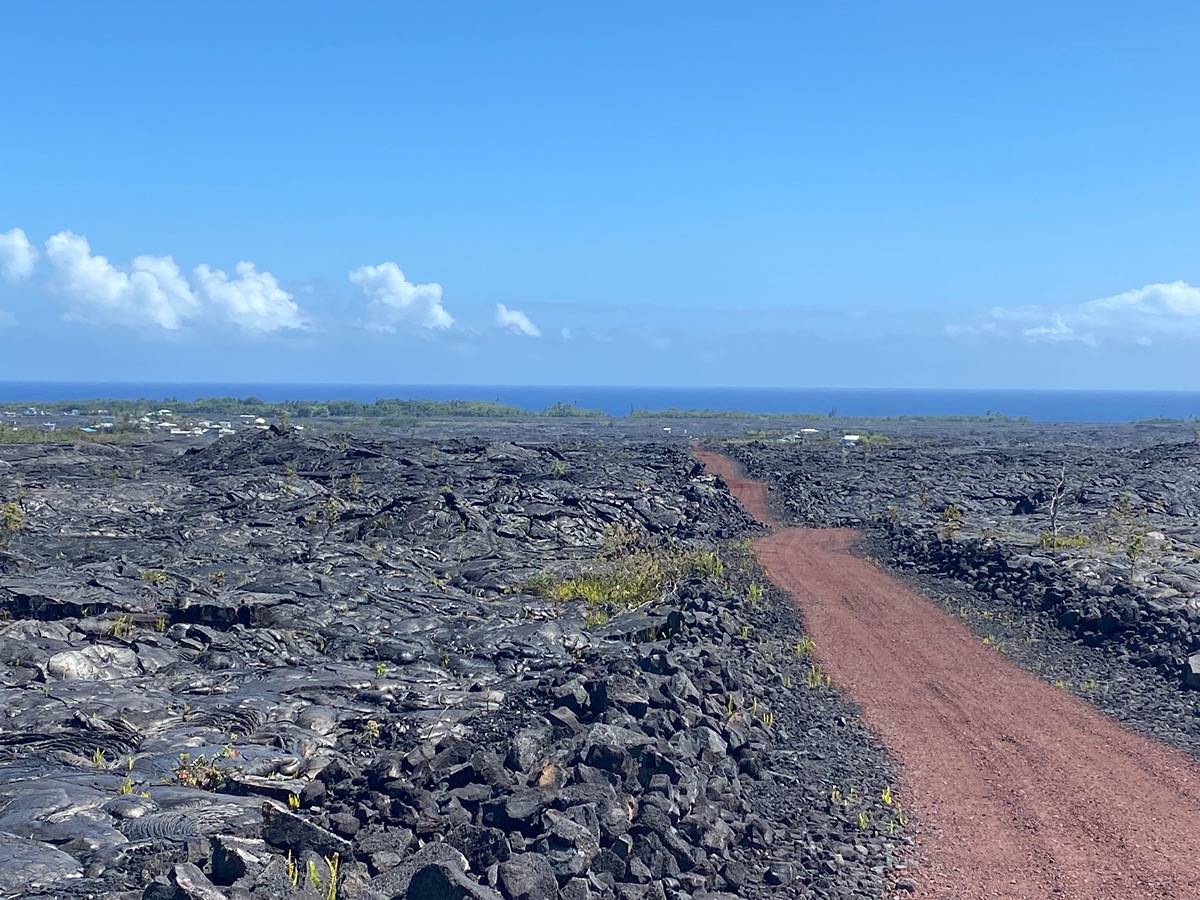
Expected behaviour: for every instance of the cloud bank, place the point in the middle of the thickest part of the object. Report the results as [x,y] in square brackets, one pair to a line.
[1141,316]
[153,291]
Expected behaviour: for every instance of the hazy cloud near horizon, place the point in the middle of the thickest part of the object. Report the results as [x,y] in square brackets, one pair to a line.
[516,322]
[1141,316]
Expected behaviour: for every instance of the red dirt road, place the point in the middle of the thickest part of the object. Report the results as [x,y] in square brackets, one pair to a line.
[1020,790]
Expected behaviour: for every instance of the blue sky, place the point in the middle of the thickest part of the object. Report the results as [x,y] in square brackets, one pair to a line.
[839,194]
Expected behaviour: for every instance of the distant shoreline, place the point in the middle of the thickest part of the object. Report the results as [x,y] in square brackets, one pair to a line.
[620,402]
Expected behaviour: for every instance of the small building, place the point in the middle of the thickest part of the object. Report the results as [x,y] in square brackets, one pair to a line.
[851,439]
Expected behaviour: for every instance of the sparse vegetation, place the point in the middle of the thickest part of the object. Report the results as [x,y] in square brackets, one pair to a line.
[122,627]
[153,576]
[952,518]
[12,518]
[628,581]
[198,772]
[1051,541]
[817,679]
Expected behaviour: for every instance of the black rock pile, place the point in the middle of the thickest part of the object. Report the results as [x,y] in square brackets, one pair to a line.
[286,665]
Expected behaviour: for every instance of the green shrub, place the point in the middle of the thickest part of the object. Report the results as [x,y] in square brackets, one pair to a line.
[12,518]
[1050,541]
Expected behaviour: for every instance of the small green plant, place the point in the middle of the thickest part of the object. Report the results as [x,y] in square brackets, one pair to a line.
[126,787]
[885,796]
[1050,541]
[293,801]
[333,863]
[314,875]
[1060,684]
[804,646]
[12,518]
[863,821]
[817,679]
[754,593]
[198,772]
[952,518]
[596,618]
[558,468]
[98,759]
[745,631]
[372,730]
[706,563]
[332,509]
[122,627]
[381,669]
[155,577]
[355,482]
[160,624]
[293,871]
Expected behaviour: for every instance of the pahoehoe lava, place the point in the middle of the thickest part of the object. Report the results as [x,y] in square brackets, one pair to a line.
[230,671]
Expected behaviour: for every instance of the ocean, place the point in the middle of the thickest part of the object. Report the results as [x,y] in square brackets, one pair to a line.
[1050,406]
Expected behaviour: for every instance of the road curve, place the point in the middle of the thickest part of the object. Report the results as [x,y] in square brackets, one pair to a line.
[1021,791]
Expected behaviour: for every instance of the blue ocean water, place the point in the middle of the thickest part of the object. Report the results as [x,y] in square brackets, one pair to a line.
[1051,406]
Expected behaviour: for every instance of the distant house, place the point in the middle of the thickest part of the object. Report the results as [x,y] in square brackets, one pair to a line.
[851,439]
[163,412]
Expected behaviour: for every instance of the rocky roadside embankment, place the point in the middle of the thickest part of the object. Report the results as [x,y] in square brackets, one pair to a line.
[330,667]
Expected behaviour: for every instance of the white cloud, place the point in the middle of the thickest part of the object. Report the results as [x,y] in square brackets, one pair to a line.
[1056,330]
[17,255]
[153,291]
[1162,309]
[253,300]
[515,321]
[566,334]
[395,300]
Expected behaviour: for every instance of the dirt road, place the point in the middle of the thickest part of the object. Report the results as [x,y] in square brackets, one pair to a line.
[1020,790]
